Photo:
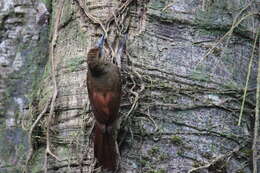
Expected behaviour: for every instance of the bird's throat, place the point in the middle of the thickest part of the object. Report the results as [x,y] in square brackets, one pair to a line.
[96,68]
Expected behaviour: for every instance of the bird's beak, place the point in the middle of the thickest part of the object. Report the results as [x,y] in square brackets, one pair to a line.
[100,42]
[100,45]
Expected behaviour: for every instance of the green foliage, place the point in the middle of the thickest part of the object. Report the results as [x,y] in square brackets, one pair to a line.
[210,31]
[157,4]
[247,152]
[196,164]
[200,76]
[36,168]
[163,156]
[176,140]
[154,151]
[232,85]
[144,161]
[157,171]
[73,63]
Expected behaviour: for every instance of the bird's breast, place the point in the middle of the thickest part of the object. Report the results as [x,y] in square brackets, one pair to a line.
[103,99]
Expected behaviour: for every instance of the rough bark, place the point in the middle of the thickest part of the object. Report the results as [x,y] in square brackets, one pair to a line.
[23,40]
[184,72]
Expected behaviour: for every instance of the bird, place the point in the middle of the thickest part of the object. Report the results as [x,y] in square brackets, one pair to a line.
[104,91]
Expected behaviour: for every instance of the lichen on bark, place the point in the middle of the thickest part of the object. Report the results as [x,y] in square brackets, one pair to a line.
[183,74]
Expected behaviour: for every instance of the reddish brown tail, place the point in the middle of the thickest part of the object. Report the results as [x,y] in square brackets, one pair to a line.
[105,149]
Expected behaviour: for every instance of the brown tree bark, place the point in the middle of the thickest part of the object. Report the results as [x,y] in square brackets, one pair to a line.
[183,70]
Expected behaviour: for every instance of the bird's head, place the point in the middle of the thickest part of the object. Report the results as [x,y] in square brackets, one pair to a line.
[94,58]
[93,55]
[96,53]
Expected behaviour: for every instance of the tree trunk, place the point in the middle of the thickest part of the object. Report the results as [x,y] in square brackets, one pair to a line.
[184,70]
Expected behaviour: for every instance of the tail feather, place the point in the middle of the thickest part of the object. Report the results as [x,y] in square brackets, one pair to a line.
[105,149]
